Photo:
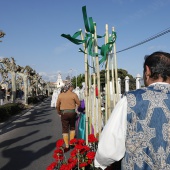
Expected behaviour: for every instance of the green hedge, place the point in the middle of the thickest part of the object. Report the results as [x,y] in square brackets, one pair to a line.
[32,100]
[36,99]
[8,110]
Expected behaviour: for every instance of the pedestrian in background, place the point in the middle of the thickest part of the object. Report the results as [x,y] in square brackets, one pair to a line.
[20,94]
[1,96]
[8,94]
[138,130]
[67,103]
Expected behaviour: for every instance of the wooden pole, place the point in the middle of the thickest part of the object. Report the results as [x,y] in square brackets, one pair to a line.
[94,100]
[116,73]
[113,80]
[107,77]
[86,85]
[106,92]
[89,99]
[98,81]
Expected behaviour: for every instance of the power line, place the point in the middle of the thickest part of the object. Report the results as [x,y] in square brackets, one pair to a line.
[148,39]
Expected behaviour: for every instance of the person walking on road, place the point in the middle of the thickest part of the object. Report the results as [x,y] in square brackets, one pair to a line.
[66,105]
[8,93]
[1,96]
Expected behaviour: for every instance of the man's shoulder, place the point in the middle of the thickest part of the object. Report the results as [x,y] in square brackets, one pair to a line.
[136,92]
[72,94]
[60,95]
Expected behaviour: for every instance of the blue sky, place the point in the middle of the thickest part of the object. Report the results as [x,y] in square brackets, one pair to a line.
[33,32]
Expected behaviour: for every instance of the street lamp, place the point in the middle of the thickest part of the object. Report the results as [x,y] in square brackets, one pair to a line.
[76,75]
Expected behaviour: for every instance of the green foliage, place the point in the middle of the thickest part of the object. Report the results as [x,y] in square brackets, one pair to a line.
[80,80]
[8,110]
[132,82]
[121,74]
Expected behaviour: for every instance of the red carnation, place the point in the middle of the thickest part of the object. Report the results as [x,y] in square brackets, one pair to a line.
[58,151]
[92,138]
[72,160]
[79,147]
[73,153]
[81,142]
[90,161]
[65,167]
[83,164]
[73,141]
[72,163]
[86,148]
[51,166]
[58,157]
[59,143]
[91,155]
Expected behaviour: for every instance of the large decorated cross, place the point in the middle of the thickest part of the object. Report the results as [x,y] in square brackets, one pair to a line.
[93,50]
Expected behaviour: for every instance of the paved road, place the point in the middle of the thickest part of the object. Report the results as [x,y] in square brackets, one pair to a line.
[28,142]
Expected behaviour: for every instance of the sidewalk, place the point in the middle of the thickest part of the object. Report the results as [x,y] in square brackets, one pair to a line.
[13,118]
[17,101]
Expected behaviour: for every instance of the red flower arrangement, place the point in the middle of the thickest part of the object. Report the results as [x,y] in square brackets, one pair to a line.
[81,157]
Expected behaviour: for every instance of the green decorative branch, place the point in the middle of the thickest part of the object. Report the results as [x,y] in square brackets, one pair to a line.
[89,38]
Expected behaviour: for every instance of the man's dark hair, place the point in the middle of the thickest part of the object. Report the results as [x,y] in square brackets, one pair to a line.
[159,65]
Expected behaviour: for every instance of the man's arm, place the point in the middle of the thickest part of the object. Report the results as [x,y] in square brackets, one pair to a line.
[58,105]
[111,145]
[77,100]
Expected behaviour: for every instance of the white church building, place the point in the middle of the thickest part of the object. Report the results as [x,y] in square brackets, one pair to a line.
[59,83]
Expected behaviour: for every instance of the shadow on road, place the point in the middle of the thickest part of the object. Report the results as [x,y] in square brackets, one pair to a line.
[30,139]
[19,157]
[33,116]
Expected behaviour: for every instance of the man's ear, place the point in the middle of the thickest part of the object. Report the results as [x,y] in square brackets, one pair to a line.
[147,72]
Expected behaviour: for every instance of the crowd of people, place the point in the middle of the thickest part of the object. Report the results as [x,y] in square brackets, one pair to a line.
[5,95]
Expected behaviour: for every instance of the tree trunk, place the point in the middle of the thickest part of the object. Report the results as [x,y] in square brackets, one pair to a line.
[13,77]
[25,78]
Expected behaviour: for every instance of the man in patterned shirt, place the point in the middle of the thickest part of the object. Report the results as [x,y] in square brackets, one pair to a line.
[138,130]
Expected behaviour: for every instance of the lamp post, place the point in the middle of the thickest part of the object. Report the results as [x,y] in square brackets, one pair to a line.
[70,74]
[76,75]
